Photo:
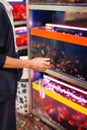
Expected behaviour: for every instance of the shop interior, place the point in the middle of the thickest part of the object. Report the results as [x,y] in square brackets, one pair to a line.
[57,98]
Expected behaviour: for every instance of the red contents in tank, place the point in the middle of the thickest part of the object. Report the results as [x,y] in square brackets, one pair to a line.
[19,11]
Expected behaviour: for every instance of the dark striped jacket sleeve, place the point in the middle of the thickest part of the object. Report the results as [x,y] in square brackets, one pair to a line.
[3,28]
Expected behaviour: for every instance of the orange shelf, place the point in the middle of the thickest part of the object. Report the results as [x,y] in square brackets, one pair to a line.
[59,36]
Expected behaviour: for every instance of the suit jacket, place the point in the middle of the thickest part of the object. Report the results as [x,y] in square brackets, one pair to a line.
[8,77]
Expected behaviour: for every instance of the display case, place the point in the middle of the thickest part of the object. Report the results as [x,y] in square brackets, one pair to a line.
[19,9]
[66,46]
[21,35]
[61,103]
[19,15]
[59,31]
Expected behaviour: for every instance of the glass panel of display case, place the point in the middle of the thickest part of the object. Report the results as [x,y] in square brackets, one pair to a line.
[60,103]
[41,17]
[19,9]
[21,35]
[66,57]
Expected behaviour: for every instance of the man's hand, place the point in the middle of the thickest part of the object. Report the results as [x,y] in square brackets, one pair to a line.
[40,64]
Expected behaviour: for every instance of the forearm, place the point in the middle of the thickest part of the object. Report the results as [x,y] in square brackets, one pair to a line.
[39,64]
[15,63]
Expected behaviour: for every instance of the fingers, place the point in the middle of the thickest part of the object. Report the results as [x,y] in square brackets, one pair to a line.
[41,64]
[44,59]
[47,64]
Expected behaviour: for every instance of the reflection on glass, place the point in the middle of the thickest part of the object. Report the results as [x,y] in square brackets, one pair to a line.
[61,105]
[65,57]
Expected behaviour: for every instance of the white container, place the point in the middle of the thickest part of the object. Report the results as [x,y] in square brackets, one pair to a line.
[25,70]
[22,100]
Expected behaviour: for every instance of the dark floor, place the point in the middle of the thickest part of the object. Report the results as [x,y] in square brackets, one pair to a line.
[30,122]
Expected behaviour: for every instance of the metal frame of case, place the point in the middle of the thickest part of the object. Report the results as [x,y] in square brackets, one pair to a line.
[51,7]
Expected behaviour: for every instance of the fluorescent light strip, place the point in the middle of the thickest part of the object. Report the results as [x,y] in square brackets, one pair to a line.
[67,85]
[19,28]
[65,26]
[15,0]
